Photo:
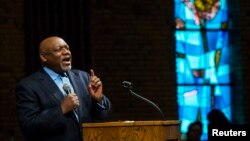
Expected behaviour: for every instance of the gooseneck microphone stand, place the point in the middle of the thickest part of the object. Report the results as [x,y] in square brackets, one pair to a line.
[128,85]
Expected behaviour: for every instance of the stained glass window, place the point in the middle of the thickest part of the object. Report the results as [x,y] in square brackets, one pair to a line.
[202,60]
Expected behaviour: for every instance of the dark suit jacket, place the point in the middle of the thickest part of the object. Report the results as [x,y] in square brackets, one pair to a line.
[39,107]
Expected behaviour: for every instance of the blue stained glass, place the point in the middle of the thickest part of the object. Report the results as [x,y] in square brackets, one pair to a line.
[211,76]
[212,38]
[187,15]
[224,74]
[216,22]
[189,37]
[227,111]
[180,47]
[222,40]
[184,74]
[222,94]
[210,63]
[225,55]
[202,62]
[190,42]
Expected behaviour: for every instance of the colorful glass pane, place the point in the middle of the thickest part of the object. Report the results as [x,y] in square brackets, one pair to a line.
[202,61]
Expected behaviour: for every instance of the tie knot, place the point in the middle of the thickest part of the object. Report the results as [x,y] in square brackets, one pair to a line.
[63,74]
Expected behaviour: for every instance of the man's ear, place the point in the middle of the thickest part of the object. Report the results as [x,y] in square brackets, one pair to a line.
[43,58]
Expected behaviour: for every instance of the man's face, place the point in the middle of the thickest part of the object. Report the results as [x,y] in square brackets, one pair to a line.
[56,54]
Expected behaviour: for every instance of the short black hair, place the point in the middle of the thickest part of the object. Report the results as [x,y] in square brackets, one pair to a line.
[194,124]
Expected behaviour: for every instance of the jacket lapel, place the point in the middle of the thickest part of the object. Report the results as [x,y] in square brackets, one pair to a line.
[50,86]
[52,89]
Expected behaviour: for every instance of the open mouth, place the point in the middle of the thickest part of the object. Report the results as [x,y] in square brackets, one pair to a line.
[66,61]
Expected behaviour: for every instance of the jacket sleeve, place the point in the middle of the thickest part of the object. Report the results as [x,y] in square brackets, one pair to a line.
[102,110]
[99,111]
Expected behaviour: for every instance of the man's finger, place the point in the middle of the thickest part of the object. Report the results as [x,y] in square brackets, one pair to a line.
[92,73]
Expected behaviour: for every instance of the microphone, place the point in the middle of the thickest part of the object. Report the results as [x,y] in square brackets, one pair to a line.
[66,88]
[128,85]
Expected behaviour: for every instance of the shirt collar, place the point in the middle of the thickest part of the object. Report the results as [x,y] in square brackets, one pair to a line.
[52,73]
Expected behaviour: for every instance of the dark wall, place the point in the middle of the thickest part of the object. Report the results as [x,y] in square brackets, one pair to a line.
[67,19]
[12,64]
[133,41]
[120,40]
[244,54]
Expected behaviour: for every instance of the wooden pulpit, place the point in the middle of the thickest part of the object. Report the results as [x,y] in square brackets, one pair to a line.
[168,130]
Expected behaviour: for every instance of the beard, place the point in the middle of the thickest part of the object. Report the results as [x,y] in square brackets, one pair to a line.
[66,68]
